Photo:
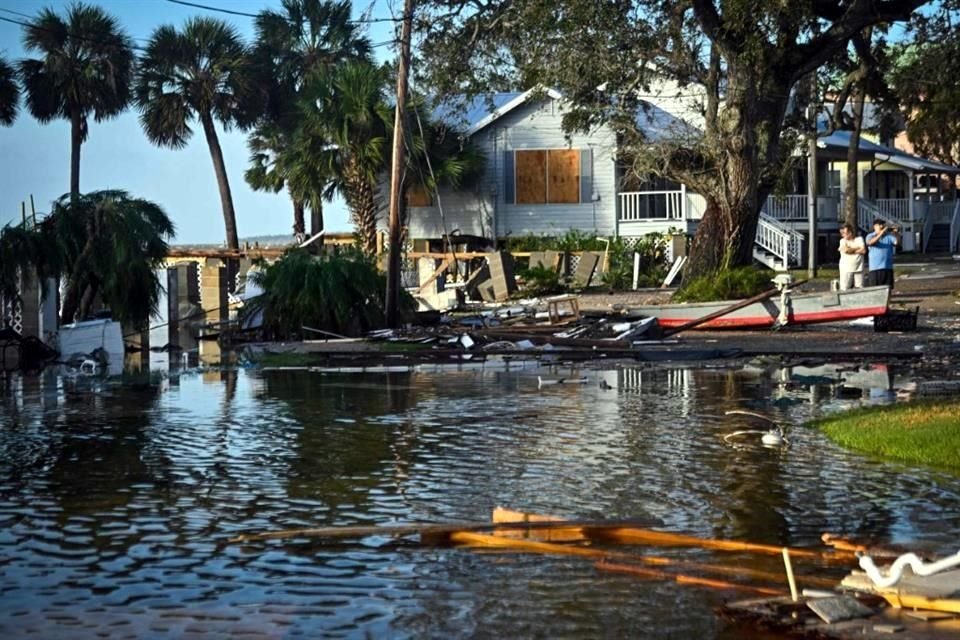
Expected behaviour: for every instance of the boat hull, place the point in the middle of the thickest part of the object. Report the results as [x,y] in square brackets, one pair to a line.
[803,308]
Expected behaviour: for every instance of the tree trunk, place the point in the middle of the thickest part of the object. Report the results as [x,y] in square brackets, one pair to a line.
[316,219]
[748,140]
[76,139]
[364,205]
[219,168]
[850,192]
[76,282]
[299,222]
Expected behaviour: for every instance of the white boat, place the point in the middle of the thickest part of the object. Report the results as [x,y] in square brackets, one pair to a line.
[82,339]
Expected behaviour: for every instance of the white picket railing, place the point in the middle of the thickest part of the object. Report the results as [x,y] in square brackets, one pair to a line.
[786,245]
[789,207]
[896,208]
[651,205]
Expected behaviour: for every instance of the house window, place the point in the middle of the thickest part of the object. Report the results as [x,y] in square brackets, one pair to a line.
[547,176]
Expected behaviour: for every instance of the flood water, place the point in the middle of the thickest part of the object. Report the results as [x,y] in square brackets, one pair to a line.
[117,497]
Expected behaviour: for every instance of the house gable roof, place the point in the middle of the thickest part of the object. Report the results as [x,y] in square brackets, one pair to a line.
[657,124]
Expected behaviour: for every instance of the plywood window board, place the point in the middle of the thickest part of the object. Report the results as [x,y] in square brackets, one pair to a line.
[531,167]
[547,176]
[563,185]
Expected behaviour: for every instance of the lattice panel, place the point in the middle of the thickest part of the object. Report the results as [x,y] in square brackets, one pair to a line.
[12,310]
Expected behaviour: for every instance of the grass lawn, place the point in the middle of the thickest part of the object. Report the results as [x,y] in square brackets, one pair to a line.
[924,433]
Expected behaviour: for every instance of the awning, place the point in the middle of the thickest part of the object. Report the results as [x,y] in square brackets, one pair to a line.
[835,147]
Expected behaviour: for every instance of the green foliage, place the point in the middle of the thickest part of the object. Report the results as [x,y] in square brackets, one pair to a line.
[541,281]
[104,243]
[342,293]
[730,284]
[571,240]
[914,433]
[9,93]
[653,262]
[85,65]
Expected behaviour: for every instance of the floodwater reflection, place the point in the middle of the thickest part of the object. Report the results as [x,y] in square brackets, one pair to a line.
[117,497]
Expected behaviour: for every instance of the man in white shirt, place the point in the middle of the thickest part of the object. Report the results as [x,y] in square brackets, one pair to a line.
[852,251]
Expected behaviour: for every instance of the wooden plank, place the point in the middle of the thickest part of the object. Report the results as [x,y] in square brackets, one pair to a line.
[501,273]
[436,274]
[585,270]
[422,528]
[563,174]
[531,167]
[634,535]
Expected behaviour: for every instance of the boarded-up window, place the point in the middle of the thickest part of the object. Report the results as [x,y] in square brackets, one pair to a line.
[531,177]
[418,196]
[563,169]
[547,176]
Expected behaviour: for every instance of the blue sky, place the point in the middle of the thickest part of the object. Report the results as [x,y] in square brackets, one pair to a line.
[35,158]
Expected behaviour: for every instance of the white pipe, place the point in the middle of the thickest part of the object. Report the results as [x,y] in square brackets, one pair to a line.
[895,572]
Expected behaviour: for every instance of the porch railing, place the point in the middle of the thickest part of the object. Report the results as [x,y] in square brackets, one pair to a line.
[896,208]
[651,205]
[785,244]
[790,207]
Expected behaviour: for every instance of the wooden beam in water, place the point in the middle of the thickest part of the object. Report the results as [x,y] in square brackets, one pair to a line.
[636,535]
[486,542]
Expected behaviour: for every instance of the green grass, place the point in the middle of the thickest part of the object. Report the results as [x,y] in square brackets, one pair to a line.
[919,433]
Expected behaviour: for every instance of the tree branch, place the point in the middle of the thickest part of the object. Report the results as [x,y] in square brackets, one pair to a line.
[805,58]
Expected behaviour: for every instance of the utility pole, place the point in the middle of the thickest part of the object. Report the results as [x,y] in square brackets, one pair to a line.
[393,262]
[812,181]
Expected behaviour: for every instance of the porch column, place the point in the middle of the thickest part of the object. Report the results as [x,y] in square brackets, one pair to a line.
[683,202]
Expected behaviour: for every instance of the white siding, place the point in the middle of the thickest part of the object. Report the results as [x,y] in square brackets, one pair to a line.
[483,211]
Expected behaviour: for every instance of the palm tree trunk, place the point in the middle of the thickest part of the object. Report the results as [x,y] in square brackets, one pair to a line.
[316,218]
[363,203]
[299,222]
[220,169]
[76,139]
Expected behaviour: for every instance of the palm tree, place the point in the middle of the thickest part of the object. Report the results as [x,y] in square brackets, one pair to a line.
[85,67]
[124,245]
[307,37]
[348,112]
[202,73]
[103,244]
[9,93]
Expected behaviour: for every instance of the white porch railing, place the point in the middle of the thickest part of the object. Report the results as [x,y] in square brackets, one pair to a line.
[896,208]
[790,207]
[867,212]
[651,205]
[941,211]
[786,245]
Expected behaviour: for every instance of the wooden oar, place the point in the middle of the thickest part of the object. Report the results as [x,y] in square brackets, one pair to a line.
[760,297]
[636,535]
[683,579]
[486,541]
[432,531]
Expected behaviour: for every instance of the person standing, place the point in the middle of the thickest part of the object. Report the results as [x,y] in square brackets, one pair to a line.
[852,251]
[881,243]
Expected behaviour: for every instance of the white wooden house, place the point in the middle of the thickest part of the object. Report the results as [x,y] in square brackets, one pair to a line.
[542,181]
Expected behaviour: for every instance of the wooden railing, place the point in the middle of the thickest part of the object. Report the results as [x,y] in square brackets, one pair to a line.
[896,208]
[785,244]
[791,207]
[651,205]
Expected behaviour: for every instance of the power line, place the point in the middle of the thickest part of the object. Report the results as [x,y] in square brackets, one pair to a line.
[254,15]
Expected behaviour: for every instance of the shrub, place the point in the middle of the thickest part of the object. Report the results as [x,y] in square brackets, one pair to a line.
[653,262]
[541,281]
[342,293]
[742,282]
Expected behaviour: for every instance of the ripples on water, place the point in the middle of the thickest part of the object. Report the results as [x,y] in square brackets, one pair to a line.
[116,499]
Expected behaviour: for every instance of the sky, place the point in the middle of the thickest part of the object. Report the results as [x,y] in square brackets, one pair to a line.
[35,158]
